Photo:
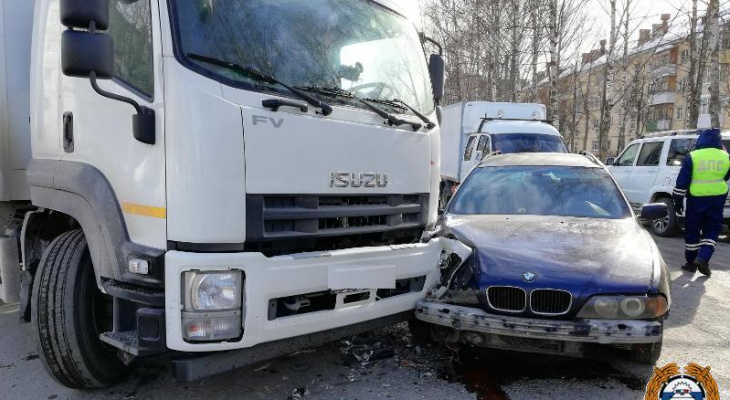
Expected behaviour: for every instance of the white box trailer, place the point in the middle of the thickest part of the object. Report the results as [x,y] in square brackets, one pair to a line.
[16,23]
[470,130]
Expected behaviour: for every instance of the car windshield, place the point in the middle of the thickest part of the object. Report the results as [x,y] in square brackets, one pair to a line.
[528,143]
[540,190]
[358,46]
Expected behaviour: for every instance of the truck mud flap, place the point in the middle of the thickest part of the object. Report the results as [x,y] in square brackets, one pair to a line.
[191,367]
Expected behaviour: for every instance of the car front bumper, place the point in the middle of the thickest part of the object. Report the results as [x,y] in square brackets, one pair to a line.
[577,331]
[267,278]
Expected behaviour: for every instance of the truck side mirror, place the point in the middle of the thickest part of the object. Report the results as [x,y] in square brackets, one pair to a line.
[90,54]
[610,160]
[479,156]
[437,70]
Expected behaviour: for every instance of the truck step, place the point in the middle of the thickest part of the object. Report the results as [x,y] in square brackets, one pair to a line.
[127,341]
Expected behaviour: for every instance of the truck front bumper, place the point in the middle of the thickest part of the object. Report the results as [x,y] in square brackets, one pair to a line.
[582,331]
[271,278]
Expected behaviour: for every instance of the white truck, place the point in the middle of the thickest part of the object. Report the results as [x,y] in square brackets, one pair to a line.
[473,129]
[230,180]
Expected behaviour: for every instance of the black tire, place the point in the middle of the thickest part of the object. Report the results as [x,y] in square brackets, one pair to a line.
[646,353]
[68,313]
[666,227]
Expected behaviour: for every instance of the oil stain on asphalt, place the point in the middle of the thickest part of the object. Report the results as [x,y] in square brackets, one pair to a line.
[487,372]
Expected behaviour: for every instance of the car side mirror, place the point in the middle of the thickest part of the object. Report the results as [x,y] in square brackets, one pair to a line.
[90,54]
[654,211]
[611,161]
[437,70]
[479,156]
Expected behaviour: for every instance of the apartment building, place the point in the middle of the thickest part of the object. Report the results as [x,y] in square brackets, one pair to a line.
[651,96]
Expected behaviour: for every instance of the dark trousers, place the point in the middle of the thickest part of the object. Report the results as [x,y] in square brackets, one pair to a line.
[703,224]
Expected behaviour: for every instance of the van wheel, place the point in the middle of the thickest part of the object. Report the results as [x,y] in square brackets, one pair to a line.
[69,312]
[667,226]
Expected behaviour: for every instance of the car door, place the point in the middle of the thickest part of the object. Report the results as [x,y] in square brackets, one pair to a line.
[470,157]
[623,167]
[645,172]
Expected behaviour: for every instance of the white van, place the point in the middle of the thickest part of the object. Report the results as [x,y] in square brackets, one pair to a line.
[473,129]
[647,171]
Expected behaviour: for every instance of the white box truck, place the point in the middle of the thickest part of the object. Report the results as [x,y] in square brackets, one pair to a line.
[473,129]
[229,180]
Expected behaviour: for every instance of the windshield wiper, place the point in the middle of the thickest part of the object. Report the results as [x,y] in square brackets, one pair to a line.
[392,119]
[425,119]
[254,73]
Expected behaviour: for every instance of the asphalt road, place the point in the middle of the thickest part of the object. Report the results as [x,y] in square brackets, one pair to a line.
[698,331]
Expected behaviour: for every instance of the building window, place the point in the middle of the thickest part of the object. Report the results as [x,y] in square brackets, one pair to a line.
[679,113]
[684,56]
[682,85]
[726,40]
[595,124]
[594,145]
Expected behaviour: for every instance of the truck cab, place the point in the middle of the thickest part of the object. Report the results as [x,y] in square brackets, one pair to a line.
[218,178]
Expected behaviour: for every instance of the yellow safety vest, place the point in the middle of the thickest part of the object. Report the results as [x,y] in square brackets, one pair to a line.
[710,166]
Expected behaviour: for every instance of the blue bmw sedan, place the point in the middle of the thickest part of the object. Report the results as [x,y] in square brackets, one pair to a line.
[544,254]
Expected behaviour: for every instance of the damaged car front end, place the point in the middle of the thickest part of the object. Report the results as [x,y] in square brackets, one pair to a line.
[547,281]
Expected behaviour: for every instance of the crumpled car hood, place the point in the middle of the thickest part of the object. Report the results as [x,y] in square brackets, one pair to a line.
[582,255]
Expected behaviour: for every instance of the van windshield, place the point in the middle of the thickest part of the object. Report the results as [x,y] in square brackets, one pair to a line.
[358,46]
[528,143]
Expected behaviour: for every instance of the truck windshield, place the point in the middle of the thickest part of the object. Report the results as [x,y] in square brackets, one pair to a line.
[358,46]
[528,143]
[540,190]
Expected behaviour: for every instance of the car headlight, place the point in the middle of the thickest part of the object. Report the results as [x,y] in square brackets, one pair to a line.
[624,307]
[213,309]
[213,291]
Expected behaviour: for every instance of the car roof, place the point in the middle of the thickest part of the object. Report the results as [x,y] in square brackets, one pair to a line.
[537,159]
[675,135]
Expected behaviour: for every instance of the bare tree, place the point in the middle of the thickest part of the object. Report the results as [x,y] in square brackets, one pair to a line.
[553,67]
[624,76]
[607,98]
[712,30]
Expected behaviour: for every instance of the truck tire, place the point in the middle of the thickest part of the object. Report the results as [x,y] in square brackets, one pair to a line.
[646,353]
[666,227]
[68,313]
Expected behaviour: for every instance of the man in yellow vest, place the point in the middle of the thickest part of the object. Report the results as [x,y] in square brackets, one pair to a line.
[703,181]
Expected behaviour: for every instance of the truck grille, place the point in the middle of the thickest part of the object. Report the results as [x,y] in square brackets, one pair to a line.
[326,222]
[550,302]
[506,298]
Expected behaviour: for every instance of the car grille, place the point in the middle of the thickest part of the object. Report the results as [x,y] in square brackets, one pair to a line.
[550,302]
[506,298]
[285,218]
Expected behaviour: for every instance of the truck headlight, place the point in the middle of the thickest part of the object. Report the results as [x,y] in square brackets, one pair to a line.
[213,303]
[624,307]
[213,291]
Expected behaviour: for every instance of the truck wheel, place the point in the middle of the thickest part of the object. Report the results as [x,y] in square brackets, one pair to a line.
[69,312]
[667,226]
[646,353]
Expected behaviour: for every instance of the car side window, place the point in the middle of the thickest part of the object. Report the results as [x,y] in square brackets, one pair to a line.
[679,149]
[650,154]
[629,155]
[469,148]
[130,25]
[483,144]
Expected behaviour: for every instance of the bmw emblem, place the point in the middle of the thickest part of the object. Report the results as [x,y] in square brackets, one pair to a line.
[529,276]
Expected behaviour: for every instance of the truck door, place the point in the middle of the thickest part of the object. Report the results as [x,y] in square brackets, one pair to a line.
[97,131]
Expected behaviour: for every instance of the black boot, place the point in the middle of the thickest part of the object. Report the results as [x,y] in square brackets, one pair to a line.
[690,267]
[704,267]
